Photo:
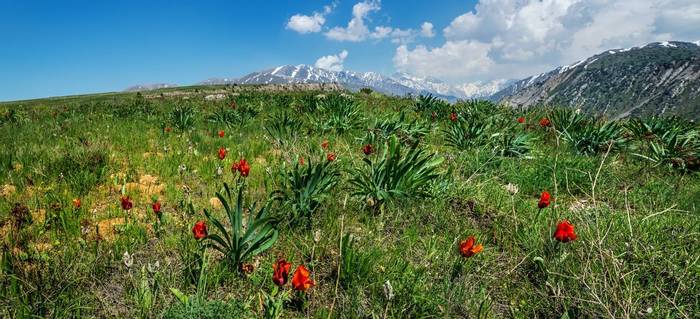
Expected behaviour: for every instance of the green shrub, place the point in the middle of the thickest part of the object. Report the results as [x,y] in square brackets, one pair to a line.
[397,174]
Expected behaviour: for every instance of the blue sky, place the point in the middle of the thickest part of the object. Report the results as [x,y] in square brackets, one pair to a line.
[52,48]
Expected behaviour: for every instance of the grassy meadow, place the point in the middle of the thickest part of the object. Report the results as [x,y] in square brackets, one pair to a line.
[375,196]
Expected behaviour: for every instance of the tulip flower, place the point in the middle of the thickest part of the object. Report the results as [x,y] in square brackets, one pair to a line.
[301,161]
[76,203]
[221,133]
[324,144]
[544,122]
[280,272]
[301,280]
[156,208]
[368,149]
[243,167]
[564,232]
[468,248]
[453,117]
[199,230]
[544,200]
[330,157]
[126,203]
[521,120]
[222,153]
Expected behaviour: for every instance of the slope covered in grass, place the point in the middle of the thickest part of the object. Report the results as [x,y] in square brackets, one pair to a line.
[373,195]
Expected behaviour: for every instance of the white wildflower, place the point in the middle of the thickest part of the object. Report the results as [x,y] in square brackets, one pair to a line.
[127,259]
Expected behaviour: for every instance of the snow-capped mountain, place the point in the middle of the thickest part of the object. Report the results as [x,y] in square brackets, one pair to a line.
[399,84]
[463,91]
[653,79]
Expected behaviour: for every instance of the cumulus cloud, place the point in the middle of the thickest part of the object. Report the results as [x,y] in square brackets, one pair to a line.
[515,38]
[356,30]
[332,62]
[426,30]
[309,23]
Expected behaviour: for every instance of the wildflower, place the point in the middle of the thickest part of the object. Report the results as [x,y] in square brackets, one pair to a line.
[330,157]
[222,153]
[221,133]
[521,120]
[324,144]
[126,203]
[544,200]
[280,272]
[317,236]
[167,129]
[301,161]
[76,203]
[247,268]
[182,168]
[388,290]
[243,167]
[127,259]
[512,188]
[565,232]
[467,247]
[544,122]
[199,230]
[156,208]
[219,171]
[301,280]
[368,149]
[453,117]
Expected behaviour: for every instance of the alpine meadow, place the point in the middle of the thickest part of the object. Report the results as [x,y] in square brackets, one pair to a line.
[365,159]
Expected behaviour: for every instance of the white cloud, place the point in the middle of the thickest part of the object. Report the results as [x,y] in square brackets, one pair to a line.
[309,23]
[516,38]
[356,29]
[426,30]
[332,62]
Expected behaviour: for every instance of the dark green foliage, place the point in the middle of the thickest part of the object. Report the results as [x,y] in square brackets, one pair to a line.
[596,138]
[429,105]
[225,116]
[680,150]
[337,113]
[396,174]
[357,264]
[81,169]
[283,127]
[467,132]
[512,144]
[304,187]
[239,244]
[183,117]
[409,132]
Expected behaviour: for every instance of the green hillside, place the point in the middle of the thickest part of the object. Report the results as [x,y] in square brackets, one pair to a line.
[126,205]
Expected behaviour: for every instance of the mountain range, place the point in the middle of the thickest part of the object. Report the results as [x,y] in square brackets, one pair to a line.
[660,78]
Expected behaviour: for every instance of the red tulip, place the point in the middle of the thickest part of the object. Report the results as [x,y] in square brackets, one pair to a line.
[301,280]
[330,157]
[76,203]
[234,168]
[221,133]
[222,153]
[368,149]
[199,230]
[243,167]
[126,203]
[156,207]
[453,117]
[280,272]
[467,247]
[521,120]
[301,161]
[167,129]
[565,232]
[324,144]
[544,122]
[544,200]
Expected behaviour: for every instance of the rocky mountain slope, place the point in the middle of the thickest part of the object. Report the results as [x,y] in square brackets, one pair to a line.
[661,78]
